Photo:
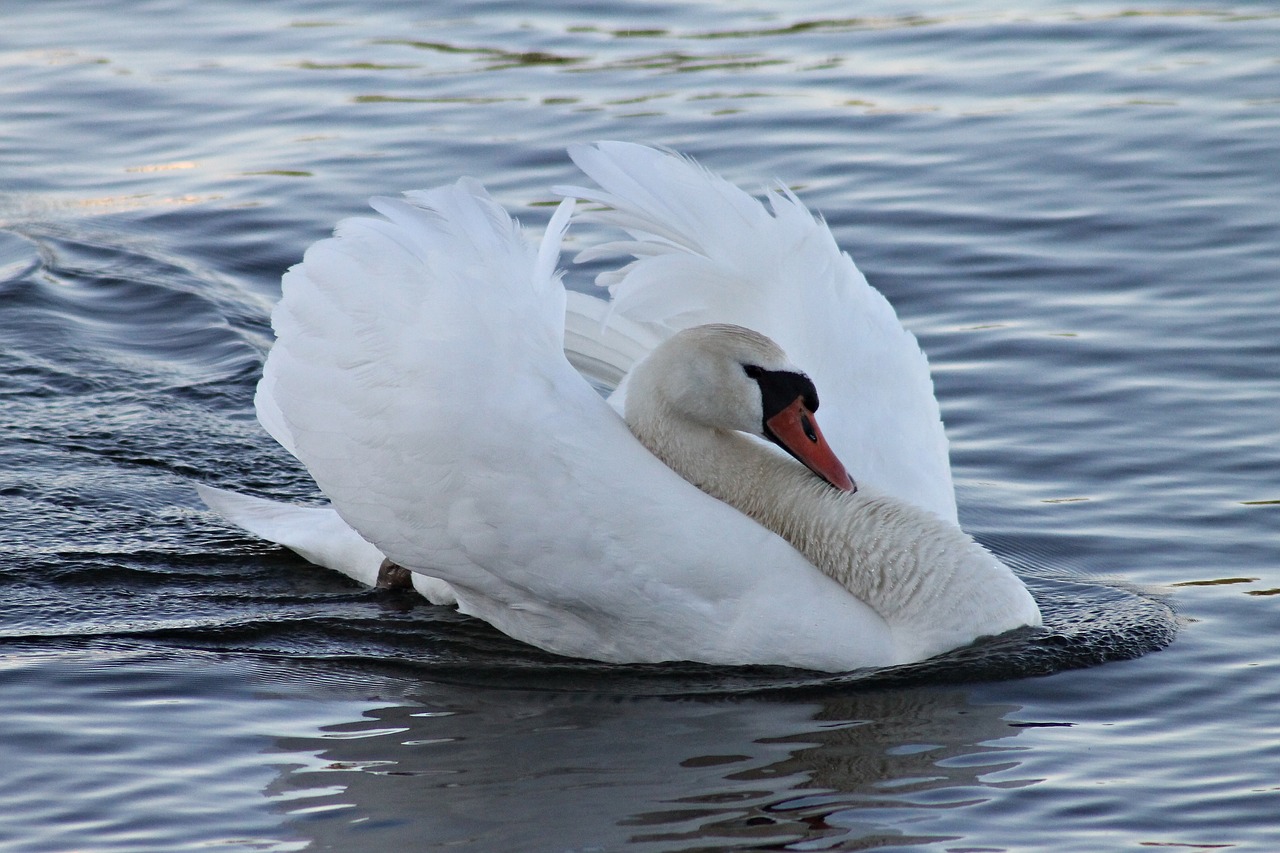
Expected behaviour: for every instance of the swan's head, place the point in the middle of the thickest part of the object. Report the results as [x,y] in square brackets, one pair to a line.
[728,377]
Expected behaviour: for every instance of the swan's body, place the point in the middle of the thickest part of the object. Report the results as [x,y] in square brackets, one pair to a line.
[693,405]
[420,373]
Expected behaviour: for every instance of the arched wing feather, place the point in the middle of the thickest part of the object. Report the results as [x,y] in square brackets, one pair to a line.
[705,251]
[419,374]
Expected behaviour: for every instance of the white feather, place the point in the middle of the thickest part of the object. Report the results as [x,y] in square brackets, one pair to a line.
[707,252]
[422,372]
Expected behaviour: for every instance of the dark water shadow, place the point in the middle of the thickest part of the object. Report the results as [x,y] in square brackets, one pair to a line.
[1086,622]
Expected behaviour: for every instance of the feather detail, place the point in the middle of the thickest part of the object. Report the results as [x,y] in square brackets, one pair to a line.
[707,252]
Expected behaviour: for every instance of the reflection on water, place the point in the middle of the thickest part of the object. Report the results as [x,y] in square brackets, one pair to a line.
[274,755]
[534,770]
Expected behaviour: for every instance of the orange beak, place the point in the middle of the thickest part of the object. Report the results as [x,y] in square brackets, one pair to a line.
[795,430]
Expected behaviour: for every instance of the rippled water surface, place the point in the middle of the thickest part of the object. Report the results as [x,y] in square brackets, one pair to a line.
[1076,209]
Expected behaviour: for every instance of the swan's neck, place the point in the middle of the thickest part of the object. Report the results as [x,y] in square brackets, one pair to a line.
[932,584]
[842,534]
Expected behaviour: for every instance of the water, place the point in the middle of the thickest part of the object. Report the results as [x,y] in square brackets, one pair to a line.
[1075,209]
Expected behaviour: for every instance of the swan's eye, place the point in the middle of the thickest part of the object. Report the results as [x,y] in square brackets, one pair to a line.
[754,371]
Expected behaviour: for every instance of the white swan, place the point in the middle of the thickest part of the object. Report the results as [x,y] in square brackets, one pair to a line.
[420,374]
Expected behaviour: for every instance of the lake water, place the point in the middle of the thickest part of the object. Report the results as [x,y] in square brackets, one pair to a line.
[1075,207]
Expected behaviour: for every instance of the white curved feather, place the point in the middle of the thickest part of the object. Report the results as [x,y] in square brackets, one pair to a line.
[424,373]
[707,252]
[419,374]
[600,346]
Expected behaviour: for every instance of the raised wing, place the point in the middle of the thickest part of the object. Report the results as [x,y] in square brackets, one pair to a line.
[705,251]
[419,375]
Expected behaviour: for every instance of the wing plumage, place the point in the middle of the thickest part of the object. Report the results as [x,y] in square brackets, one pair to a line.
[382,334]
[705,251]
[419,374]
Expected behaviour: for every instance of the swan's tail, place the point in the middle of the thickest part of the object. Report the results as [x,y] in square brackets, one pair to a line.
[317,534]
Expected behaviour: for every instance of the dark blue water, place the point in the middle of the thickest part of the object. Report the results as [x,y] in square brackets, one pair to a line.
[1076,209]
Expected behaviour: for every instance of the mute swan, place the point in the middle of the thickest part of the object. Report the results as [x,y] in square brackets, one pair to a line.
[420,374]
